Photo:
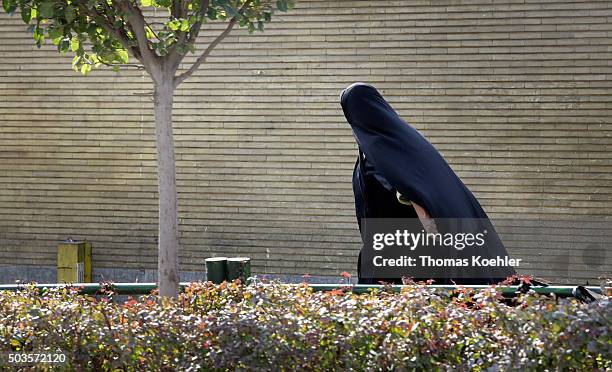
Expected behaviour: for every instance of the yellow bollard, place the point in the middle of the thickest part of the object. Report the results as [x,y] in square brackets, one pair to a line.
[74,262]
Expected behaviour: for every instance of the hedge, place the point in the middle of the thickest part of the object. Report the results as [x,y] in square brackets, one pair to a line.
[279,327]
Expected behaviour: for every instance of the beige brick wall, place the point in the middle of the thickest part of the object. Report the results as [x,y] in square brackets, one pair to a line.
[516,94]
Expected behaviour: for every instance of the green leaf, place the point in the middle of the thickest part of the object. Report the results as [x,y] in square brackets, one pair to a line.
[149,33]
[39,36]
[191,48]
[85,68]
[46,9]
[122,55]
[231,12]
[146,2]
[9,6]
[57,40]
[64,45]
[181,49]
[56,34]
[75,61]
[184,25]
[174,25]
[26,14]
[75,44]
[282,5]
[69,13]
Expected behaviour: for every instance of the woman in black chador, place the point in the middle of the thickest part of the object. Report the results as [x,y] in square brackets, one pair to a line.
[397,164]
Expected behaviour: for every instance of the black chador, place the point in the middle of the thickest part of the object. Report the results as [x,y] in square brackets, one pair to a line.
[395,158]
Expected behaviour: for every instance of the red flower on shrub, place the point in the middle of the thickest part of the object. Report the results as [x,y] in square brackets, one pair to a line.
[130,303]
[336,292]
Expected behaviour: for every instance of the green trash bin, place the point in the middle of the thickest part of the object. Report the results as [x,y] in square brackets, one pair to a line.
[239,268]
[216,269]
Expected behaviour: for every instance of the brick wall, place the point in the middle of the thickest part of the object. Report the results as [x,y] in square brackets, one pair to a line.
[515,94]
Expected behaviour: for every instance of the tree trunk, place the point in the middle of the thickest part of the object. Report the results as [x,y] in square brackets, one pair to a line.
[168,238]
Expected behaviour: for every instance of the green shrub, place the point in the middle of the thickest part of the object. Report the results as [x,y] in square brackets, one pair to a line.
[280,327]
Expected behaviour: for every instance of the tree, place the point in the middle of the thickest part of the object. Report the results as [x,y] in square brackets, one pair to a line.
[108,32]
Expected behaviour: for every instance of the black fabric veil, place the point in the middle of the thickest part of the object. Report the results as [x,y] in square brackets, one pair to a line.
[394,156]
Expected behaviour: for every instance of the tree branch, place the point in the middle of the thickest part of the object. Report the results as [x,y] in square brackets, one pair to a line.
[179,79]
[106,24]
[137,22]
[174,57]
[193,35]
[137,66]
[176,8]
[119,33]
